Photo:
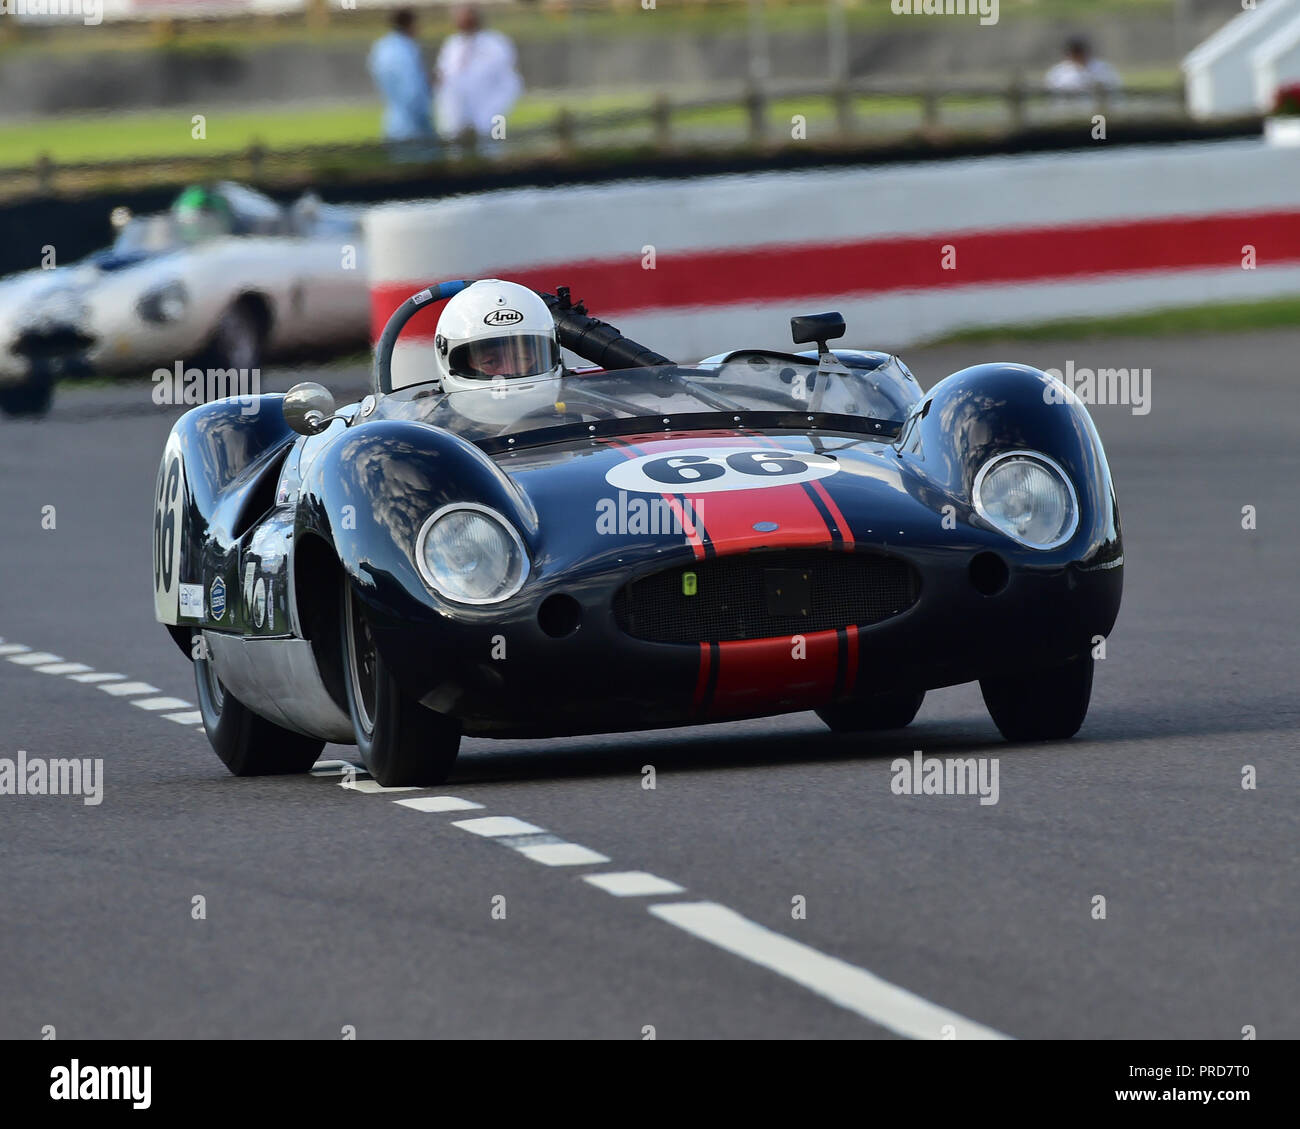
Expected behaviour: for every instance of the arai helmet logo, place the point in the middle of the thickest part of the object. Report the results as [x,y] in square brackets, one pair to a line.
[708,470]
[503,317]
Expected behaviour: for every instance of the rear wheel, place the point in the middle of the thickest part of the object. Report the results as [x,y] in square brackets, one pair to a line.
[401,742]
[246,742]
[1045,705]
[880,711]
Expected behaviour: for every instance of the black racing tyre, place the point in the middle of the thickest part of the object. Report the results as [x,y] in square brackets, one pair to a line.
[237,339]
[32,397]
[881,711]
[1042,705]
[401,742]
[246,742]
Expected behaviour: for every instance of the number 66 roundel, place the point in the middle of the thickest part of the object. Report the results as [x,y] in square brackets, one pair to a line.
[707,470]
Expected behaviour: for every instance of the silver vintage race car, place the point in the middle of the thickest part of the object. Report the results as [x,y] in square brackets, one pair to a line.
[224,279]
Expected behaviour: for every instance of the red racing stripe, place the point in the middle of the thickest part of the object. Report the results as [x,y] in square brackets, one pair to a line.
[692,523]
[729,516]
[776,272]
[836,515]
[757,676]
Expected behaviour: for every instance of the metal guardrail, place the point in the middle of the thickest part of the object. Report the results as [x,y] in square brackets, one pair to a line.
[663,123]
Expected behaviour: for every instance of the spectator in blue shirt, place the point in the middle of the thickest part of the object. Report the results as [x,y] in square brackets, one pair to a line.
[398,71]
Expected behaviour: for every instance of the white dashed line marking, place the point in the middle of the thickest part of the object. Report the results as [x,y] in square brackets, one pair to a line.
[633,884]
[562,854]
[892,1007]
[438,803]
[110,683]
[493,825]
[336,768]
[862,992]
[370,787]
[122,689]
[162,704]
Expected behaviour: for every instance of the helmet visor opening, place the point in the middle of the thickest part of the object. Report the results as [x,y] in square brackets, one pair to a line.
[510,357]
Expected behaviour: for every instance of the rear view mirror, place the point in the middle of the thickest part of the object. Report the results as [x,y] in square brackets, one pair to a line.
[817,327]
[308,408]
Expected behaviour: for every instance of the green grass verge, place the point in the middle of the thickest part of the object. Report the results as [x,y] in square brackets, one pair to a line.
[1236,317]
[77,140]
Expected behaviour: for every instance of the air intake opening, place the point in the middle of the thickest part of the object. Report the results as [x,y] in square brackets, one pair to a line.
[765,595]
[989,573]
[559,615]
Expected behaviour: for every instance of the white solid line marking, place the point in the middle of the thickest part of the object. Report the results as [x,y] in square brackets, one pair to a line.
[63,668]
[13,649]
[35,658]
[842,983]
[497,825]
[632,884]
[370,787]
[193,717]
[438,803]
[163,704]
[562,854]
[122,689]
[96,676]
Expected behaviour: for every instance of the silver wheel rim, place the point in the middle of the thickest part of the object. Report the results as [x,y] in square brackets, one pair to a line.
[361,665]
[238,342]
[216,691]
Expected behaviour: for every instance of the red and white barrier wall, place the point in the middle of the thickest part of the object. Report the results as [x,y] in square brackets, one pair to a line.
[905,252]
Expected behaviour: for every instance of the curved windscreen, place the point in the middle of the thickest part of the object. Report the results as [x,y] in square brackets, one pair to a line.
[754,383]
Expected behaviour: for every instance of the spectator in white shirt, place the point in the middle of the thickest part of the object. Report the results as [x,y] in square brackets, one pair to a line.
[477,79]
[1080,73]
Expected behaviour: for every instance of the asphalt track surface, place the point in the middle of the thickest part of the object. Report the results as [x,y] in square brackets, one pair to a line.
[329,907]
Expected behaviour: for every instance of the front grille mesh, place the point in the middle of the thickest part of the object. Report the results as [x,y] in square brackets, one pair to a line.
[731,600]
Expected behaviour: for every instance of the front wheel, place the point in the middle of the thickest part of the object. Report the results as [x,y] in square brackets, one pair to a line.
[880,711]
[1045,705]
[32,397]
[401,742]
[237,340]
[246,742]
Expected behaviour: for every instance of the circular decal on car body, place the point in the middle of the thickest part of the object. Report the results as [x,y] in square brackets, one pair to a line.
[259,602]
[709,470]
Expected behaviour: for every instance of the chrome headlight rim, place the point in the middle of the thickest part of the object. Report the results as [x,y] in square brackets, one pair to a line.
[494,515]
[1047,461]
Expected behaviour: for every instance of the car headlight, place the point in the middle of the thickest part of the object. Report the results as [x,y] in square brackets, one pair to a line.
[164,303]
[1028,497]
[471,554]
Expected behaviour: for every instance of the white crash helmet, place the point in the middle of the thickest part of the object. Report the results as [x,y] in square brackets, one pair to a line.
[495,332]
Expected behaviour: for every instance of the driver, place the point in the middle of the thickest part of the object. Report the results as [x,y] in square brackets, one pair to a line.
[202,213]
[496,343]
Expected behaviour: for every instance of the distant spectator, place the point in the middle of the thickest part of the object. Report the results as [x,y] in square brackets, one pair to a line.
[398,71]
[477,79]
[1080,72]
